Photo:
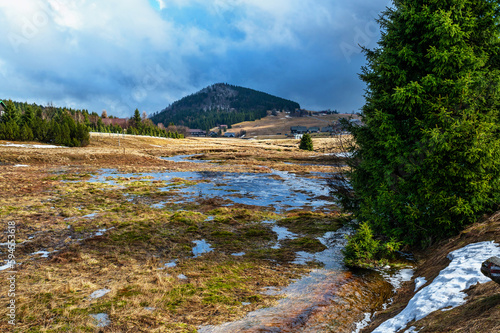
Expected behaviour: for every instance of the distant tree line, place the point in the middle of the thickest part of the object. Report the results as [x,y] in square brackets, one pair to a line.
[31,122]
[144,126]
[69,127]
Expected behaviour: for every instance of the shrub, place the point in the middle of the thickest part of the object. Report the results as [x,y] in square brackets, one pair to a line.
[306,142]
[362,250]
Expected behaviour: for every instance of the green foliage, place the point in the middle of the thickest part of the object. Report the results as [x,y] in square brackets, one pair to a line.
[221,104]
[427,161]
[362,250]
[24,122]
[306,142]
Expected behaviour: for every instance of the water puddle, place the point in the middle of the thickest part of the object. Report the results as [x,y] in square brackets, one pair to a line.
[279,190]
[184,158]
[101,319]
[99,293]
[201,247]
[283,233]
[329,299]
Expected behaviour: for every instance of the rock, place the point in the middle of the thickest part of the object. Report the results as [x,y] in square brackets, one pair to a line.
[491,268]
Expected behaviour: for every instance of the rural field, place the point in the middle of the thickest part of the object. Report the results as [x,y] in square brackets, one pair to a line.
[131,235]
[138,234]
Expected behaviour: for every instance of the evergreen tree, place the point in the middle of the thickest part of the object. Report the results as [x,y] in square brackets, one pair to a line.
[306,142]
[427,161]
[137,118]
[10,114]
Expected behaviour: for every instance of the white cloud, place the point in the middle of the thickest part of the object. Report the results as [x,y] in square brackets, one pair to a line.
[88,52]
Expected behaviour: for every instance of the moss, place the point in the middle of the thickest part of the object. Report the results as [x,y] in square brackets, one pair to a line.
[306,244]
[311,223]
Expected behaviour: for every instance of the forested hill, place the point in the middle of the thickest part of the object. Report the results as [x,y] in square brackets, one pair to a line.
[221,104]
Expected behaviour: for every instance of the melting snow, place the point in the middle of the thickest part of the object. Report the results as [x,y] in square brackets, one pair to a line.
[364,323]
[419,282]
[21,166]
[239,254]
[201,248]
[30,146]
[101,319]
[99,293]
[446,291]
[6,266]
[44,254]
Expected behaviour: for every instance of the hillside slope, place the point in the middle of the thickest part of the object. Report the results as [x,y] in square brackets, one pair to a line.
[481,313]
[221,104]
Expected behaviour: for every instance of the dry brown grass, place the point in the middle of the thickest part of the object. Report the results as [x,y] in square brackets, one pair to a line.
[50,198]
[270,126]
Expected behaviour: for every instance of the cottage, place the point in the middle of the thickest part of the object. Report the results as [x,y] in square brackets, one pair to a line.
[313,129]
[196,132]
[223,127]
[298,129]
[327,129]
[229,135]
[2,108]
[213,134]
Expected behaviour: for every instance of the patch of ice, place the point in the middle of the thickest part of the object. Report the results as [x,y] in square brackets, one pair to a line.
[171,264]
[364,323]
[245,303]
[99,293]
[239,254]
[101,232]
[101,319]
[283,233]
[446,291]
[201,248]
[419,282]
[403,275]
[8,265]
[21,166]
[44,254]
[182,277]
[150,309]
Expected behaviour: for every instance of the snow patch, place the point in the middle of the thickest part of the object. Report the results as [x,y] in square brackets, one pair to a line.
[44,254]
[364,323]
[446,291]
[201,248]
[99,293]
[419,282]
[29,146]
[101,319]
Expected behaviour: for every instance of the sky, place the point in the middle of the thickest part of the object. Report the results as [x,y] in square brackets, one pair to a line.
[119,55]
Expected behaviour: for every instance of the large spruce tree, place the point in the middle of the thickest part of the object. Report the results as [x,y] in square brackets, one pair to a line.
[427,161]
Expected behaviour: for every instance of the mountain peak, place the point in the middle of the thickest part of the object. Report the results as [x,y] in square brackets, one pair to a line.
[222,103]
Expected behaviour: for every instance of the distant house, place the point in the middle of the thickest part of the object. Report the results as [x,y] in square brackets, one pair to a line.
[213,134]
[229,135]
[122,122]
[298,129]
[223,127]
[313,129]
[327,129]
[2,108]
[196,132]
